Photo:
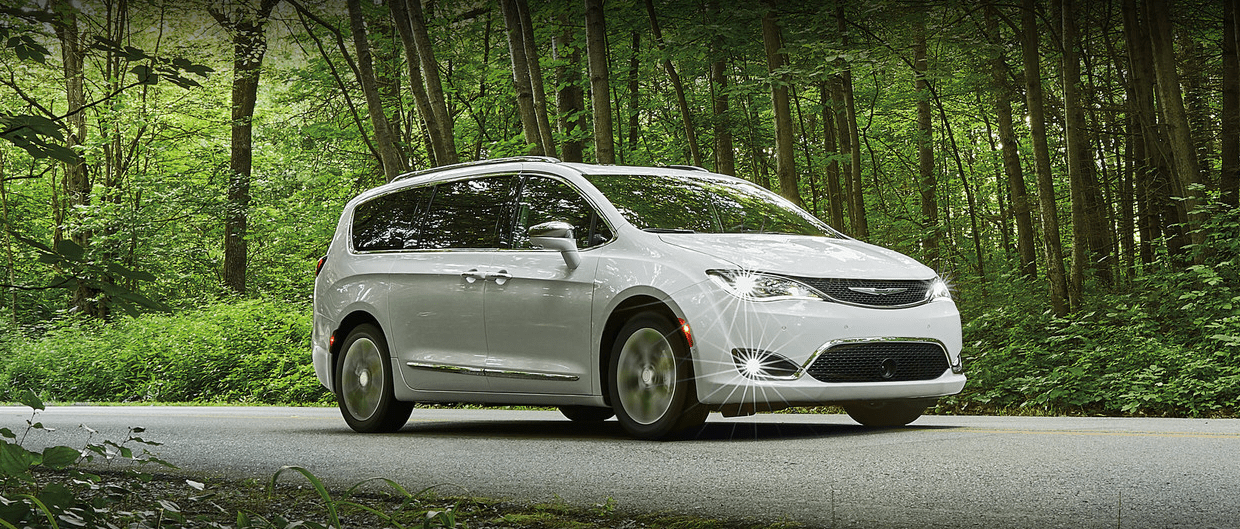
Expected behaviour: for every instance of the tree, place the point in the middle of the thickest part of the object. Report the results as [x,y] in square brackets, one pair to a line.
[1052,246]
[776,61]
[570,98]
[928,184]
[856,195]
[600,92]
[725,157]
[247,24]
[389,156]
[424,80]
[521,78]
[677,86]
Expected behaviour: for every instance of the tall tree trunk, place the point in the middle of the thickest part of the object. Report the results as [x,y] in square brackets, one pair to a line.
[521,78]
[1171,102]
[389,157]
[444,139]
[77,182]
[1060,302]
[927,182]
[861,225]
[1080,159]
[785,153]
[442,149]
[249,40]
[536,78]
[725,157]
[569,99]
[1010,150]
[1161,215]
[600,93]
[1229,137]
[679,88]
[844,138]
[835,197]
[634,85]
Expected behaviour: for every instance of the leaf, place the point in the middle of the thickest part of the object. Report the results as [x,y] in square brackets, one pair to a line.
[15,461]
[145,75]
[57,497]
[29,399]
[58,457]
[71,250]
[195,485]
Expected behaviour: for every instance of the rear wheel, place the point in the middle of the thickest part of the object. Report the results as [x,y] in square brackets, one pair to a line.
[587,413]
[364,383]
[652,388]
[887,413]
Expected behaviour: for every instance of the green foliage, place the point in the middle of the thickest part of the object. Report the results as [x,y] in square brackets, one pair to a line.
[1169,346]
[251,351]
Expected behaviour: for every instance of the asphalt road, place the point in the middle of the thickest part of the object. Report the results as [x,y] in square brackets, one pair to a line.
[820,470]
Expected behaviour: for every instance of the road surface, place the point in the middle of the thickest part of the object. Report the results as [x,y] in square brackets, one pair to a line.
[820,470]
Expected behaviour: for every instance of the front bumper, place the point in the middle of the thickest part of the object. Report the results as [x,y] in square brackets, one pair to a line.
[800,330]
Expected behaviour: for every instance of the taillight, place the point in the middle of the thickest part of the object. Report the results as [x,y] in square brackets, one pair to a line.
[319,267]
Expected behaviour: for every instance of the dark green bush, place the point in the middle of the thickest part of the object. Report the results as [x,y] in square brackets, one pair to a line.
[250,351]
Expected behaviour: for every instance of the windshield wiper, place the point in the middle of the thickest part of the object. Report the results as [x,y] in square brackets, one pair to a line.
[667,230]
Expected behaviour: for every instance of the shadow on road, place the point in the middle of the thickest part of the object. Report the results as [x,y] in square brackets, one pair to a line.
[719,430]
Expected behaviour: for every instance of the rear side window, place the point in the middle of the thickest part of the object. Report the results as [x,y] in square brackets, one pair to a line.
[390,222]
[544,200]
[469,214]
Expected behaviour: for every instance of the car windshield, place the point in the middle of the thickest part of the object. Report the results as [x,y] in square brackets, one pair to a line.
[703,204]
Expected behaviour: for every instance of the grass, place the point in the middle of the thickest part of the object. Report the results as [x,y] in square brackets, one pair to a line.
[301,499]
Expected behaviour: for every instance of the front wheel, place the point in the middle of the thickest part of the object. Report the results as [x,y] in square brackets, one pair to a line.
[364,383]
[887,413]
[652,388]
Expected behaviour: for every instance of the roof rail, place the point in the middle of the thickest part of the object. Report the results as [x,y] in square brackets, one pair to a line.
[491,161]
[688,168]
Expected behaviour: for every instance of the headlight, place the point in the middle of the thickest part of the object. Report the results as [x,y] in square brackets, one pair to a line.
[940,290]
[756,286]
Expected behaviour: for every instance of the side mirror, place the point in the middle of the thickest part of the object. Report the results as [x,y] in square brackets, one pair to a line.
[556,235]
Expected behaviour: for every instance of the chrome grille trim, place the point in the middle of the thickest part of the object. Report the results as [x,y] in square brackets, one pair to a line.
[872,293]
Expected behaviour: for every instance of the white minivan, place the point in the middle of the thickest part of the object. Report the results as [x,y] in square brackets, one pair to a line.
[656,295]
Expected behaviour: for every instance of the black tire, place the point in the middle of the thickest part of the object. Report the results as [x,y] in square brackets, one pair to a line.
[587,413]
[887,413]
[364,383]
[651,389]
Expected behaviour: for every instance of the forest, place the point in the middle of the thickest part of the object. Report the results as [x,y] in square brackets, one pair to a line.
[172,169]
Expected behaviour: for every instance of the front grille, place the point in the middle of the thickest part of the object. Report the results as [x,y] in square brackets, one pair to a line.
[880,362]
[871,293]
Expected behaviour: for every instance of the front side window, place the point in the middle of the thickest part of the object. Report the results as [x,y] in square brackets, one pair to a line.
[703,204]
[545,200]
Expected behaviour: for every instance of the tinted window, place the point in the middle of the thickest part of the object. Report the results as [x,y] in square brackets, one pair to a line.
[390,222]
[545,200]
[704,204]
[469,214]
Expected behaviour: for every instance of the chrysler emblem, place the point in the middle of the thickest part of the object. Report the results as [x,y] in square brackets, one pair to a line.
[878,291]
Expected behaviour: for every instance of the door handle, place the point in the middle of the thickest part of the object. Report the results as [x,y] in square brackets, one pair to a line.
[499,277]
[473,274]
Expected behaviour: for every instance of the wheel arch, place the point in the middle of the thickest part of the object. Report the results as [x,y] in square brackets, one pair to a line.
[615,321]
[350,322]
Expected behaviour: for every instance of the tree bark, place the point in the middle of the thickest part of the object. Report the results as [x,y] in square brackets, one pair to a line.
[1171,102]
[536,78]
[927,182]
[1060,303]
[1080,160]
[1229,137]
[569,98]
[634,86]
[835,196]
[685,116]
[843,138]
[785,153]
[1010,151]
[521,78]
[249,46]
[389,157]
[600,93]
[725,156]
[76,181]
[413,35]
[861,225]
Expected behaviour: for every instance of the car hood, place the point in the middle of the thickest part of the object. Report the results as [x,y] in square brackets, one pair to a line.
[803,256]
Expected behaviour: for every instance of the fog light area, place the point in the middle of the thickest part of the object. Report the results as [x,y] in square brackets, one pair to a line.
[764,365]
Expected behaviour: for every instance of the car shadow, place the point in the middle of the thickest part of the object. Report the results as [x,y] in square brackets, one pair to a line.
[712,431]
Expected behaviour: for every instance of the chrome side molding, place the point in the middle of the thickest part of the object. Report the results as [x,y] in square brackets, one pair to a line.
[497,373]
